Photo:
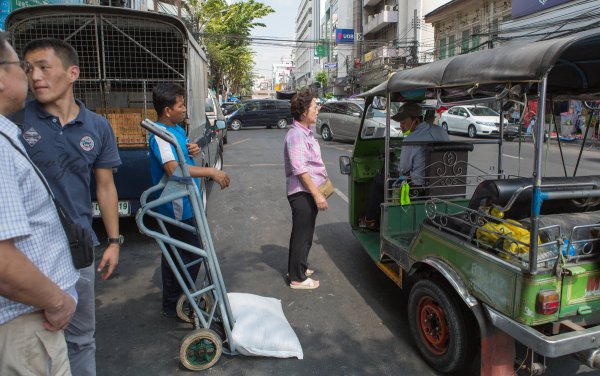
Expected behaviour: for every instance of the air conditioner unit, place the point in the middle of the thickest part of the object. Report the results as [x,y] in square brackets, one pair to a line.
[387,8]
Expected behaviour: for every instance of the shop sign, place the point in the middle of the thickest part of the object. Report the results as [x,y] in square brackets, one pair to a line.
[344,35]
[522,8]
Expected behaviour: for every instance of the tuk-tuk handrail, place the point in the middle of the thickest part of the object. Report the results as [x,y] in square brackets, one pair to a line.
[549,195]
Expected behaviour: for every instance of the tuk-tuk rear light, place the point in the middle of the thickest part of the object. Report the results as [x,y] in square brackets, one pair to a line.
[547,302]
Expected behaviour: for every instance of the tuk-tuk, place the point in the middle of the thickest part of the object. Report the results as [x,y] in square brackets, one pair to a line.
[490,259]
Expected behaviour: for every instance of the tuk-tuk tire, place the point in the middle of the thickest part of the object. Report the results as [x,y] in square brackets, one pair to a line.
[433,301]
[200,349]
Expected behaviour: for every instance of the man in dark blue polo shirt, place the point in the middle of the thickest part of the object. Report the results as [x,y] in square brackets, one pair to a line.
[68,142]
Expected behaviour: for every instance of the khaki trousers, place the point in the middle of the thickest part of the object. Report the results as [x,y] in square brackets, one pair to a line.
[27,348]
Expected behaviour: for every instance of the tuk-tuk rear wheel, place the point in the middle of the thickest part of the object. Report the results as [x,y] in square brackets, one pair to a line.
[440,326]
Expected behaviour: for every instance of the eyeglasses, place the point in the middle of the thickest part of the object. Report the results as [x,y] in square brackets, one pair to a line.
[23,64]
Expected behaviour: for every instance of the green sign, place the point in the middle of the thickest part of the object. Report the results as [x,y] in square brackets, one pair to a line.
[321,50]
[16,4]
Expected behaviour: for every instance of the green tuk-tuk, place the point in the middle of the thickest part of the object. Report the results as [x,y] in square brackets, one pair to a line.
[490,259]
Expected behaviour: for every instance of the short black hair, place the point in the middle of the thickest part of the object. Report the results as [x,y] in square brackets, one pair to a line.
[165,95]
[4,43]
[65,52]
[301,102]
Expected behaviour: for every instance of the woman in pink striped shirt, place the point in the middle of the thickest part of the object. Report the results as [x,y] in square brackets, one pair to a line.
[304,172]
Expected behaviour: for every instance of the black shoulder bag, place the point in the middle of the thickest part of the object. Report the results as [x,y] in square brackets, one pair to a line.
[80,240]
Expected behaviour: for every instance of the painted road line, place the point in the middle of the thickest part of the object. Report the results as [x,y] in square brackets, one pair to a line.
[342,195]
[511,156]
[238,142]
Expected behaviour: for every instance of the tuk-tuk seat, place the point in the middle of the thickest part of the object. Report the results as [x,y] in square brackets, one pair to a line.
[446,169]
[499,192]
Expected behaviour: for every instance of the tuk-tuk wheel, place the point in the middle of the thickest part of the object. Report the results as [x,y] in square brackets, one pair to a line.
[200,350]
[185,311]
[440,326]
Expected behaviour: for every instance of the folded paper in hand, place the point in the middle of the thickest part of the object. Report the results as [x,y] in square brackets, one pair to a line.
[326,188]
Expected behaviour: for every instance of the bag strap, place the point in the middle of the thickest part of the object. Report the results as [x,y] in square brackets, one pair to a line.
[35,168]
[18,118]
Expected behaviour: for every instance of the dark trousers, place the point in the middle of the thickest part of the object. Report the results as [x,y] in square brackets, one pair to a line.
[171,288]
[304,217]
[373,211]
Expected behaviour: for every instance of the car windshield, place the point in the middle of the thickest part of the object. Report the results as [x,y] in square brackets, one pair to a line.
[483,111]
[375,113]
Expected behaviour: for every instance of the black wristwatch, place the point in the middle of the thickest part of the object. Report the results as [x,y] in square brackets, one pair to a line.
[119,240]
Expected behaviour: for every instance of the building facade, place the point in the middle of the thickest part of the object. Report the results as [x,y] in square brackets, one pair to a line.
[395,37]
[307,34]
[463,26]
[281,75]
[551,19]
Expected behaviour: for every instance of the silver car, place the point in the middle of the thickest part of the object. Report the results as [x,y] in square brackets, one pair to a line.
[341,121]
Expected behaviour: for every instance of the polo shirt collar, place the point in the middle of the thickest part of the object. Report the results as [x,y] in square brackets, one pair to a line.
[43,114]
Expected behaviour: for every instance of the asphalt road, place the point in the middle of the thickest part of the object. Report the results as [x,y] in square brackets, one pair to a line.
[354,324]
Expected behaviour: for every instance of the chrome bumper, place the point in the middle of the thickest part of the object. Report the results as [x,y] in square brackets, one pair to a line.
[550,346]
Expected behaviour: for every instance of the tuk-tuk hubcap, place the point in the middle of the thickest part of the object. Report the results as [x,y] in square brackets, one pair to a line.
[433,326]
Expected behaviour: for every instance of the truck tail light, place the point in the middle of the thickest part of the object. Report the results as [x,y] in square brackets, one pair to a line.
[547,302]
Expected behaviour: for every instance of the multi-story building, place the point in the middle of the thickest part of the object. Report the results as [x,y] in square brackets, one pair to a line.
[281,75]
[462,26]
[338,29]
[394,37]
[307,34]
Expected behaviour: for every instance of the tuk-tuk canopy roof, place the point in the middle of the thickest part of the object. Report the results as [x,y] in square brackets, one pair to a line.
[568,61]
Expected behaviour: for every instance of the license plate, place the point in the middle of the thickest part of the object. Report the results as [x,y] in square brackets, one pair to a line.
[123,207]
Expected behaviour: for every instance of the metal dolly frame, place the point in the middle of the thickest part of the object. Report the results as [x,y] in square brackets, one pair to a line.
[202,348]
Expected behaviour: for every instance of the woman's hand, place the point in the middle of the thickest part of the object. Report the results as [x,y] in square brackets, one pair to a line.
[321,201]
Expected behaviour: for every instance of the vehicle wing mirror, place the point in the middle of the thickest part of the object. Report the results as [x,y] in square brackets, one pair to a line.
[220,124]
[345,165]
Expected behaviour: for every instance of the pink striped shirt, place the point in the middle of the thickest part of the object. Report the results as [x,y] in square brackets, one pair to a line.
[302,153]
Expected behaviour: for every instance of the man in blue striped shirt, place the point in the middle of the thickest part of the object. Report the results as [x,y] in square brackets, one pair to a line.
[37,276]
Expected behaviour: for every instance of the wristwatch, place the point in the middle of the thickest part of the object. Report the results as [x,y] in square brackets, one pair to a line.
[119,240]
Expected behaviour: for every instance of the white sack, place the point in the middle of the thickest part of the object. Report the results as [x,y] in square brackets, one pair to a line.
[261,328]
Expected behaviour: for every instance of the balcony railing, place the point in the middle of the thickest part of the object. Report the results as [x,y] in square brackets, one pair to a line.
[376,22]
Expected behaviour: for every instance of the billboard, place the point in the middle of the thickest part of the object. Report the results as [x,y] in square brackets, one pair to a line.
[344,35]
[522,8]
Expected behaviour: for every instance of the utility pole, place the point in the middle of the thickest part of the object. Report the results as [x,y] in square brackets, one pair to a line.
[491,24]
[415,50]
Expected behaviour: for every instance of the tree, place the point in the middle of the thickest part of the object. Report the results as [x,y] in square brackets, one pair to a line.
[225,30]
[321,77]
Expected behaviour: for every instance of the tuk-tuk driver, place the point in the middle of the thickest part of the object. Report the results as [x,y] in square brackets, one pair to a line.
[413,158]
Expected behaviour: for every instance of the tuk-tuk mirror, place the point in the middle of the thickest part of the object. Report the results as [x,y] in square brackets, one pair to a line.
[379,103]
[220,124]
[345,165]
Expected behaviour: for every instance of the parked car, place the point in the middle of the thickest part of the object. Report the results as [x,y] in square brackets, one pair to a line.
[340,120]
[474,121]
[228,107]
[261,112]
[213,112]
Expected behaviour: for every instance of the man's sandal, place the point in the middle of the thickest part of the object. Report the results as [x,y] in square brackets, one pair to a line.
[307,284]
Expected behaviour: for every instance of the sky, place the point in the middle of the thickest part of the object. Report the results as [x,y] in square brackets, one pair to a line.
[281,24]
